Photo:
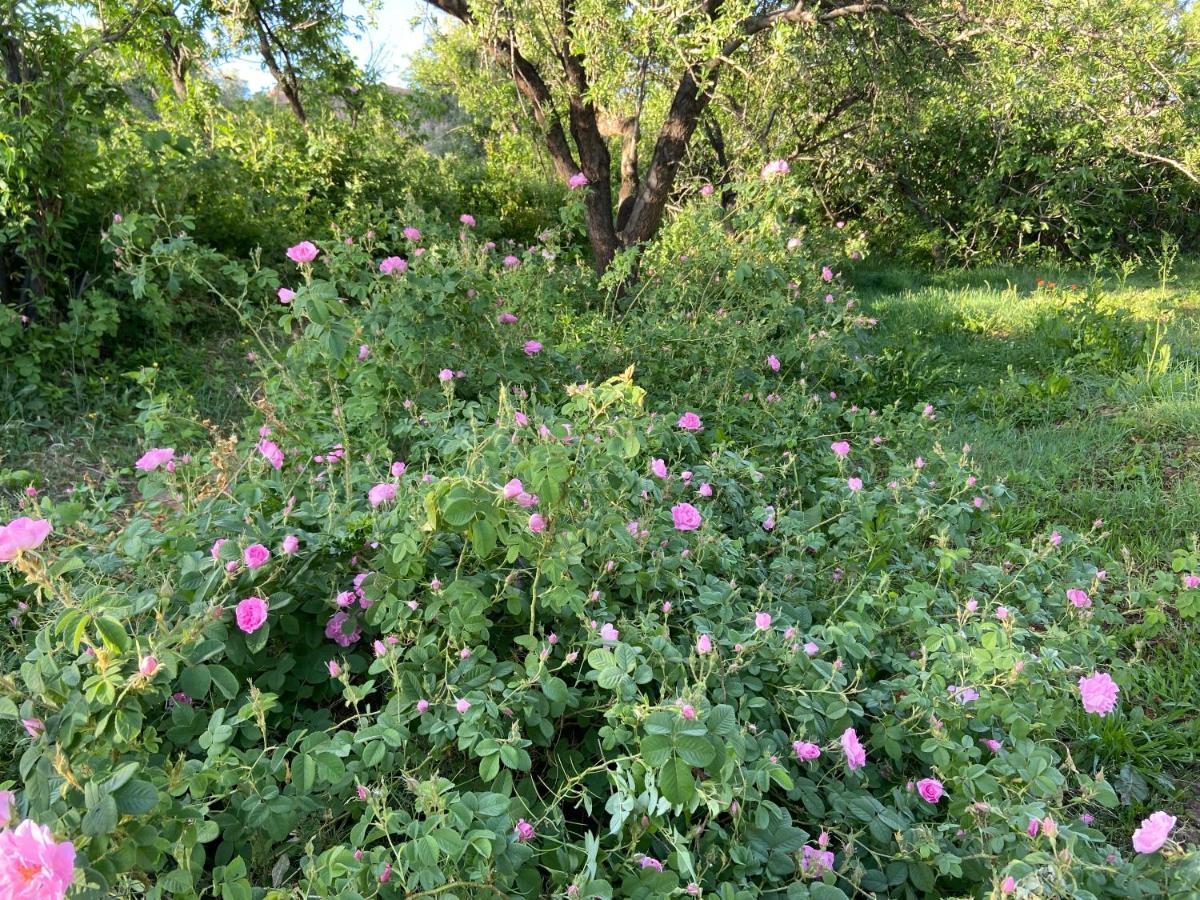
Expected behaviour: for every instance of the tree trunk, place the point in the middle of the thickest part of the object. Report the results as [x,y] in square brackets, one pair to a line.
[177,64]
[689,102]
[285,80]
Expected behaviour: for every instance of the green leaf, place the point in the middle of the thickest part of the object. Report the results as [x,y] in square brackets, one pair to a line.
[373,753]
[555,690]
[722,721]
[483,538]
[224,681]
[101,817]
[136,798]
[818,890]
[112,633]
[694,750]
[178,881]
[194,681]
[256,641]
[489,767]
[121,776]
[675,781]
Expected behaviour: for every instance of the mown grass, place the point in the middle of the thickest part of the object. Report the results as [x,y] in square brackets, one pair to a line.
[1086,403]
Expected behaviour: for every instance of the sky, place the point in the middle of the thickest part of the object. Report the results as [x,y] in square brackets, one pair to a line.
[388,39]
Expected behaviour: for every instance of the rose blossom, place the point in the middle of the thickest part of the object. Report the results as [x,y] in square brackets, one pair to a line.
[1153,832]
[251,614]
[685,516]
[22,534]
[930,789]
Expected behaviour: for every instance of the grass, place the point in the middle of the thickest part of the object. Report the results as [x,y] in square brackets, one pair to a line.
[89,427]
[1086,403]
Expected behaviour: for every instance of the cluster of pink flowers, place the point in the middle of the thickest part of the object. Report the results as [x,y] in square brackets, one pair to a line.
[514,490]
[20,535]
[332,456]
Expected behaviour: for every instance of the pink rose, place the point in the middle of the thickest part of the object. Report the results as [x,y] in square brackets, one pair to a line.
[148,666]
[524,831]
[856,754]
[513,489]
[393,265]
[251,614]
[255,555]
[930,789]
[1078,598]
[1098,693]
[704,644]
[304,252]
[1153,832]
[762,621]
[381,493]
[33,864]
[22,534]
[271,452]
[775,167]
[689,421]
[154,458]
[840,449]
[285,295]
[291,544]
[806,751]
[537,524]
[685,516]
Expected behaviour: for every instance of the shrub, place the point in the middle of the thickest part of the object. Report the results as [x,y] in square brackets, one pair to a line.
[436,624]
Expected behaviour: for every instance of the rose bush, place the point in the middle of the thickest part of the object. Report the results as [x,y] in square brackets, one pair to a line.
[453,618]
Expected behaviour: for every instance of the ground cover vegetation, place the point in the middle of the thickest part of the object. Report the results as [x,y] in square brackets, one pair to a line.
[417,494]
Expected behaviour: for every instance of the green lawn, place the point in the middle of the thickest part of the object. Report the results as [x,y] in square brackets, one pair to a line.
[1086,403]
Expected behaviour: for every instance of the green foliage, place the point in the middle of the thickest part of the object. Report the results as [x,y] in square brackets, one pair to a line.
[566,683]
